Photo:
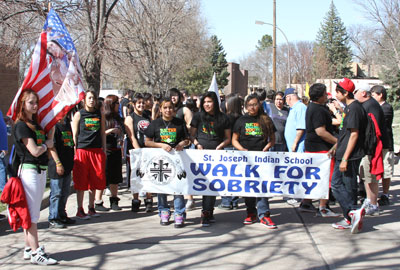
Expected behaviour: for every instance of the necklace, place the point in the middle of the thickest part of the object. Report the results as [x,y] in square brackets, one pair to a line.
[166,123]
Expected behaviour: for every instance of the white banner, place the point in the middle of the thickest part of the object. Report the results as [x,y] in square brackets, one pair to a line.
[230,173]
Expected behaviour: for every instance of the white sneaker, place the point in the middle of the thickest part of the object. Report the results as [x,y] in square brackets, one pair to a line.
[357,217]
[27,253]
[190,205]
[41,258]
[372,210]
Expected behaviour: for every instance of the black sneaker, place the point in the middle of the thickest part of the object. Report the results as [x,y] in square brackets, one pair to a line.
[67,220]
[135,205]
[383,200]
[2,217]
[56,224]
[100,207]
[205,219]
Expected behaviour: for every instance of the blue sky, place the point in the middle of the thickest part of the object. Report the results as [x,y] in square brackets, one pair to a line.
[233,21]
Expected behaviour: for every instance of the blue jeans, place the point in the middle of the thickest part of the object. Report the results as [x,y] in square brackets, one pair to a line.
[262,205]
[3,174]
[179,204]
[59,192]
[344,186]
[208,203]
[229,200]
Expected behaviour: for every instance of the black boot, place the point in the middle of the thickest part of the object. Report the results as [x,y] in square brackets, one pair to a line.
[149,205]
[135,205]
[114,203]
[100,207]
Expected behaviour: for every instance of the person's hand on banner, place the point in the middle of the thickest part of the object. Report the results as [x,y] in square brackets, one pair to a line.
[166,147]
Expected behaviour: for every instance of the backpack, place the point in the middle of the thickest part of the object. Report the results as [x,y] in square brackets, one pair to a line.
[13,162]
[370,142]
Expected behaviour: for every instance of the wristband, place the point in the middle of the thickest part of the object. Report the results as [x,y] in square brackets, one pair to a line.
[45,147]
[345,160]
[58,164]
[197,144]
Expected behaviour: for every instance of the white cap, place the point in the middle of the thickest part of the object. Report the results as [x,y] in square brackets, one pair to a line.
[363,86]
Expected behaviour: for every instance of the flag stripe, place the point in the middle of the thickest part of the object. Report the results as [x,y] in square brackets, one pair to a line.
[56,57]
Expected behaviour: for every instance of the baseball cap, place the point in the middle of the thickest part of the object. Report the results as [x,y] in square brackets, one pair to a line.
[363,86]
[346,84]
[290,91]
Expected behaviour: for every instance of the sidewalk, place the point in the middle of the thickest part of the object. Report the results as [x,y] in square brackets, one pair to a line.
[127,240]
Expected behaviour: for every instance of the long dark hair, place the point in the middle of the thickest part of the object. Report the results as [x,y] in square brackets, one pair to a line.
[234,106]
[263,119]
[109,111]
[217,117]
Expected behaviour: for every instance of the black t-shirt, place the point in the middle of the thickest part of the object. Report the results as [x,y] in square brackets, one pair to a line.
[89,129]
[388,113]
[317,116]
[64,144]
[140,124]
[112,139]
[169,132]
[210,139]
[21,131]
[147,114]
[124,103]
[250,133]
[279,118]
[354,117]
[372,106]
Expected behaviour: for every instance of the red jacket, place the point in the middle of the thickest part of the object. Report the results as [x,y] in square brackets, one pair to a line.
[18,211]
[376,167]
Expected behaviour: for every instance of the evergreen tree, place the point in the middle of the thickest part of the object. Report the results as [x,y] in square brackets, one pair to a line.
[218,62]
[264,43]
[334,40]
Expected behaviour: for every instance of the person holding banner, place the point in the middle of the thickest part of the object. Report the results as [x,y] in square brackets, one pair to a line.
[136,124]
[168,133]
[88,127]
[319,136]
[31,147]
[210,129]
[255,131]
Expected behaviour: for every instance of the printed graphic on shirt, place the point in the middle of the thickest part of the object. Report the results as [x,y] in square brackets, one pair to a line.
[40,137]
[341,123]
[253,129]
[212,132]
[142,125]
[168,135]
[92,124]
[67,138]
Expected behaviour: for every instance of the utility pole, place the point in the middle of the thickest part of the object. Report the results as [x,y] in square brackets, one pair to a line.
[274,49]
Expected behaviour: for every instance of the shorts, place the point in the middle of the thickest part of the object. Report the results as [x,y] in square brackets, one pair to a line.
[34,184]
[89,169]
[388,164]
[365,165]
[114,167]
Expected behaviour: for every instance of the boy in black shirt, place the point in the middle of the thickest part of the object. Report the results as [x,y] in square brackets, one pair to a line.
[60,167]
[348,152]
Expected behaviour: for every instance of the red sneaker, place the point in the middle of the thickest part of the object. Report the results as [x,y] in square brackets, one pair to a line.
[81,214]
[250,219]
[267,222]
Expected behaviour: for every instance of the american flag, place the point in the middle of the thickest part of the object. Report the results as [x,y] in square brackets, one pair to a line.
[55,74]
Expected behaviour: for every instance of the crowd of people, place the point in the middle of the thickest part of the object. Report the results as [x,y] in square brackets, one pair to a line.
[92,143]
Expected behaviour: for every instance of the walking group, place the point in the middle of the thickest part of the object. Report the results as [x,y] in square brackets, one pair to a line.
[90,145]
